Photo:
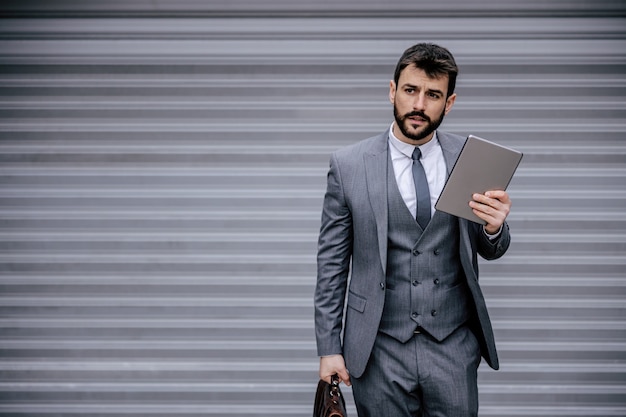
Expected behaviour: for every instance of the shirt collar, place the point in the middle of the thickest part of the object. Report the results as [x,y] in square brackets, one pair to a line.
[407,149]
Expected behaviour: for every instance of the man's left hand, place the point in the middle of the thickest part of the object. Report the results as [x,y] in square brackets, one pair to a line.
[493,207]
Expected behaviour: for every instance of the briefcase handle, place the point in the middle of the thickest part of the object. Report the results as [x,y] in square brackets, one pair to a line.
[334,387]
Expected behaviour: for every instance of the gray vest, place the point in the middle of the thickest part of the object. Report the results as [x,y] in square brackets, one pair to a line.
[426,287]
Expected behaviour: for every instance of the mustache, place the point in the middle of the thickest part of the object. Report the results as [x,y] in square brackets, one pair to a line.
[418,114]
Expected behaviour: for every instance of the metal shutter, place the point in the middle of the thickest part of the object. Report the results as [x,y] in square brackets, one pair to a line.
[162,168]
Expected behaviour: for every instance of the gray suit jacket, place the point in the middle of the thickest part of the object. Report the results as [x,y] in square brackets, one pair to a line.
[353,237]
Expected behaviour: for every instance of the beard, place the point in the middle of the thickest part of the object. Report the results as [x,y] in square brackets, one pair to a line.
[403,122]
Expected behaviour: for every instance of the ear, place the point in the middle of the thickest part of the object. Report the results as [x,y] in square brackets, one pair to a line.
[392,92]
[450,102]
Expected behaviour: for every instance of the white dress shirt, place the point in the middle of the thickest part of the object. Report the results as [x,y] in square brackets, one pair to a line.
[434,166]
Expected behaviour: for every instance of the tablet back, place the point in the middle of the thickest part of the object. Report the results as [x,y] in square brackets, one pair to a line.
[481,166]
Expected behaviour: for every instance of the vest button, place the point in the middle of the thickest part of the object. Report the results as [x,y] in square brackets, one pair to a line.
[436,251]
[382,286]
[415,282]
[433,313]
[416,252]
[436,281]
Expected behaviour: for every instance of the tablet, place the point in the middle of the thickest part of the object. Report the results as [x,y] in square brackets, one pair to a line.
[482,166]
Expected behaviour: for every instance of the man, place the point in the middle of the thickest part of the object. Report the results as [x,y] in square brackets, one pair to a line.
[416,323]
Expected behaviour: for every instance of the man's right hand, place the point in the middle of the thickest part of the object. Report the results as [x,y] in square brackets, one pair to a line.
[331,365]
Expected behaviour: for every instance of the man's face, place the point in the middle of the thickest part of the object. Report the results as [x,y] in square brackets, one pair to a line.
[419,105]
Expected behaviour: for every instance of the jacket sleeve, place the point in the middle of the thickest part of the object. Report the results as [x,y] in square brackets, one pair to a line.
[333,264]
[493,248]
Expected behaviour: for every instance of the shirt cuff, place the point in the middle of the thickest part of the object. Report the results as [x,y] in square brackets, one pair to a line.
[494,236]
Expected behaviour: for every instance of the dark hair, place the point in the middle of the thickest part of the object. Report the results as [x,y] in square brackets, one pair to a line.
[434,60]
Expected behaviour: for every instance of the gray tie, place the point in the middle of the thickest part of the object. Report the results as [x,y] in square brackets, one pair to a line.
[421,190]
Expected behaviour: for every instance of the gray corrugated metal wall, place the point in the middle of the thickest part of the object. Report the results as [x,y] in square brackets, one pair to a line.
[161,176]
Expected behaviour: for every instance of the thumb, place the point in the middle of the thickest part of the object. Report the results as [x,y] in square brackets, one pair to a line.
[344,377]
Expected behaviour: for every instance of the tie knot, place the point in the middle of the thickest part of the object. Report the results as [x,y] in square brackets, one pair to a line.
[417,154]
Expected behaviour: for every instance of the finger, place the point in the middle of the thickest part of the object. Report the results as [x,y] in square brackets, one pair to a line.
[493,218]
[492,207]
[483,216]
[501,196]
[327,376]
[344,377]
[483,207]
[485,199]
[481,202]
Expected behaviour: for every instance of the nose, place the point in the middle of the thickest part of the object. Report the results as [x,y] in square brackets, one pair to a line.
[419,103]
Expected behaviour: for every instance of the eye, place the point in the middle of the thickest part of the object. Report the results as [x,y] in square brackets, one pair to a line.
[409,90]
[434,95]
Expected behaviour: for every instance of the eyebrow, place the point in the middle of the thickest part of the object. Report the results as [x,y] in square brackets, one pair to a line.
[408,85]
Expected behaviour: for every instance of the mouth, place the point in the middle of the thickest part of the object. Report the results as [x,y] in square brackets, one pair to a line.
[417,118]
[416,122]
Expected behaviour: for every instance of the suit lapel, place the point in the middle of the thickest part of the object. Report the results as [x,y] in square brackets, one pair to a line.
[375,162]
[451,151]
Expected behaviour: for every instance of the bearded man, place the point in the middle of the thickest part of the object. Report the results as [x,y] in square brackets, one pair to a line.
[416,324]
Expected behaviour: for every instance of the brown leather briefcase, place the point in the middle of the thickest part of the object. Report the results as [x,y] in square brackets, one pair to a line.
[329,401]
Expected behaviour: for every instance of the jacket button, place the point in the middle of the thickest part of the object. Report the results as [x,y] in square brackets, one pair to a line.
[436,251]
[416,252]
[414,315]
[415,282]
[382,286]
[434,313]
[436,281]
